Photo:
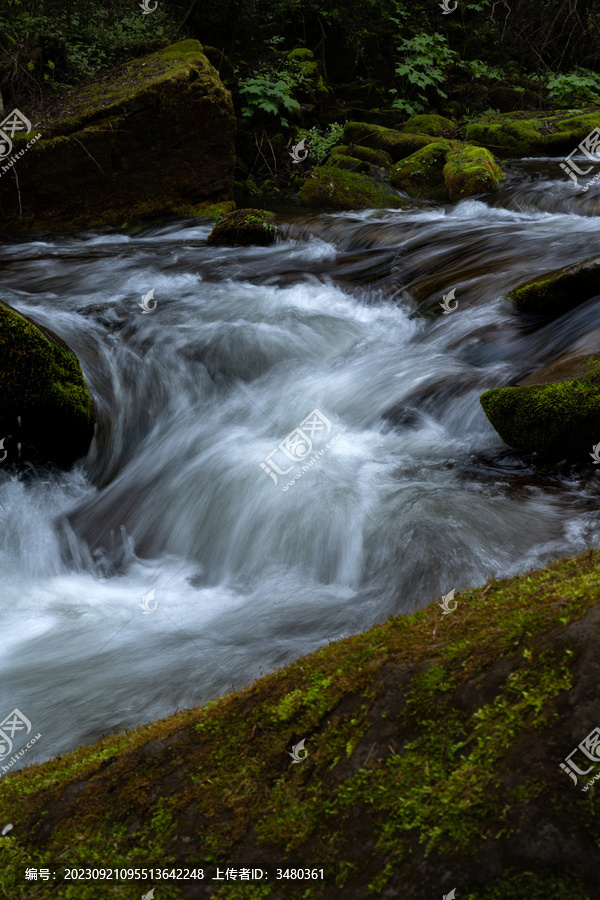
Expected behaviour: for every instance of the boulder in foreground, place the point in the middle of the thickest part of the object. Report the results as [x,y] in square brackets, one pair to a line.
[560,290]
[243,227]
[432,760]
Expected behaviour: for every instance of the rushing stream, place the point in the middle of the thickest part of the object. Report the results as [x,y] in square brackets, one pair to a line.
[416,496]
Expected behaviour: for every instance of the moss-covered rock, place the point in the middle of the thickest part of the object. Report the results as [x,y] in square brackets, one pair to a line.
[558,291]
[44,402]
[378,158]
[469,171]
[422,173]
[244,226]
[560,419]
[433,748]
[428,124]
[328,186]
[530,134]
[397,144]
[313,84]
[151,137]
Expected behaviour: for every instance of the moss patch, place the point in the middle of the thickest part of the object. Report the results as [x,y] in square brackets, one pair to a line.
[561,419]
[328,186]
[41,381]
[422,173]
[558,291]
[243,227]
[433,744]
[397,144]
[469,171]
[429,124]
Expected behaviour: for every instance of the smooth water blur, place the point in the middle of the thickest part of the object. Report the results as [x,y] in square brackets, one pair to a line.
[417,496]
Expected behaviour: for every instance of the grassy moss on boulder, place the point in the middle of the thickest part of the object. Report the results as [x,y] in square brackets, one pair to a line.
[41,383]
[433,746]
[469,171]
[331,187]
[421,174]
[560,290]
[525,133]
[351,163]
[244,226]
[152,137]
[560,419]
[428,124]
[396,143]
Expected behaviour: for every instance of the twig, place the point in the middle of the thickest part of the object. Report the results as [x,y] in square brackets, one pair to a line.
[89,154]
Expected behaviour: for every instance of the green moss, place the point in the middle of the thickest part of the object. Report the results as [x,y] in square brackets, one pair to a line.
[341,161]
[327,186]
[423,736]
[561,418]
[378,158]
[42,382]
[244,226]
[428,124]
[397,144]
[422,173]
[556,292]
[469,171]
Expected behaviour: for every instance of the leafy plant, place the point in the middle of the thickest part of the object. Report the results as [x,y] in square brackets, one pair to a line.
[321,140]
[580,83]
[425,59]
[270,92]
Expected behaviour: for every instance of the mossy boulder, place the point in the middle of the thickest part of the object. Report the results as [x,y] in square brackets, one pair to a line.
[433,746]
[530,134]
[351,163]
[560,290]
[331,187]
[428,124]
[560,419]
[469,171]
[422,173]
[397,144]
[244,226]
[152,137]
[44,402]
[313,85]
[378,158]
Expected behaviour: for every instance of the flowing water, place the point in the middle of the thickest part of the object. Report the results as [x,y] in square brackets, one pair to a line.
[414,496]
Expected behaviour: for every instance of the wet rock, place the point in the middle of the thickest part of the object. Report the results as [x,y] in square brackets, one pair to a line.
[243,227]
[397,144]
[44,402]
[559,419]
[560,290]
[447,170]
[332,187]
[152,137]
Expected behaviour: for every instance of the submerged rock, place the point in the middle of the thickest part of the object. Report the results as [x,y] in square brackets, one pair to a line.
[244,226]
[151,137]
[560,418]
[44,402]
[339,189]
[560,290]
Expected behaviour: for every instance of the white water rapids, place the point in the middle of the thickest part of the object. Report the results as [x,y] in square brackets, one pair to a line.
[244,344]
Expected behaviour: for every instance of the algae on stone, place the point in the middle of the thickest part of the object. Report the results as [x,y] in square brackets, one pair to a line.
[469,171]
[421,174]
